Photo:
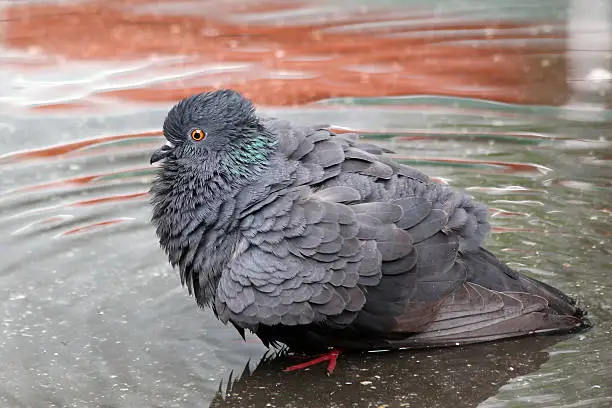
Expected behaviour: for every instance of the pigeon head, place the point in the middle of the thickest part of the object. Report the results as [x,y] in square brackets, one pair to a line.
[214,133]
[216,145]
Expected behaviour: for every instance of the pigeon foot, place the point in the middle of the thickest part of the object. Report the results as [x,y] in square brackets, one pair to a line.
[332,357]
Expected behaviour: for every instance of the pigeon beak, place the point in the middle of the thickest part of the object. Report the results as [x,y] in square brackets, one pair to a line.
[162,152]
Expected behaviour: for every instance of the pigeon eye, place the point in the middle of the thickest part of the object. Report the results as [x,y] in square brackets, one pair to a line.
[198,134]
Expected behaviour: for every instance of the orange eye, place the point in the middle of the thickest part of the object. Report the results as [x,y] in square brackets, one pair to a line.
[198,134]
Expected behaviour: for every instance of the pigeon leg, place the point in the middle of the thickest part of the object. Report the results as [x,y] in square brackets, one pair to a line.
[332,357]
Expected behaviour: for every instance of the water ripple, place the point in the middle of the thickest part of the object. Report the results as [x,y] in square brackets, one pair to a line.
[473,94]
[79,146]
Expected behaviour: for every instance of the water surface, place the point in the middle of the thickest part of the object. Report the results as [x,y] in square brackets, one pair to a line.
[503,100]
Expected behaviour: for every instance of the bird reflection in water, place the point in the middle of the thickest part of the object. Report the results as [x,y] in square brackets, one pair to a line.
[456,377]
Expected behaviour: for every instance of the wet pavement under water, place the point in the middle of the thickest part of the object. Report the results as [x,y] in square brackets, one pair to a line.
[509,100]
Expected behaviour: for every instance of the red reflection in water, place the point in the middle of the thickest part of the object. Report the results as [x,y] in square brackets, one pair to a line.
[413,59]
[73,105]
[80,180]
[516,250]
[95,226]
[439,134]
[507,167]
[110,199]
[499,230]
[498,212]
[55,218]
[68,148]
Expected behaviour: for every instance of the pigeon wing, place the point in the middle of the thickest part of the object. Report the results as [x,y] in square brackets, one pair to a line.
[354,237]
[309,257]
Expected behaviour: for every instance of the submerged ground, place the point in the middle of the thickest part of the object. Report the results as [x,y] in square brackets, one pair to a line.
[511,102]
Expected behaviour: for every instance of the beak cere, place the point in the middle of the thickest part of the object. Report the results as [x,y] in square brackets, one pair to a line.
[162,152]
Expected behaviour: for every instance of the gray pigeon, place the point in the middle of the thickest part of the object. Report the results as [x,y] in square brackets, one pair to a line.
[317,241]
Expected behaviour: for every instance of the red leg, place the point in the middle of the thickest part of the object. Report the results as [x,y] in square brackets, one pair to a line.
[332,357]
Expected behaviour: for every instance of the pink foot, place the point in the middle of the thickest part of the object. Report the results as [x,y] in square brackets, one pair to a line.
[332,357]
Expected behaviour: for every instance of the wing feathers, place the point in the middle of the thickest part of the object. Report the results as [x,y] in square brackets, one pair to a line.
[350,237]
[474,313]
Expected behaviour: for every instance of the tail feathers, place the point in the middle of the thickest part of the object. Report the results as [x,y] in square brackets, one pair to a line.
[488,271]
[557,300]
[521,325]
[474,314]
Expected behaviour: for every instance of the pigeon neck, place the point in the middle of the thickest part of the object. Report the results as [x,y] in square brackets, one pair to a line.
[248,156]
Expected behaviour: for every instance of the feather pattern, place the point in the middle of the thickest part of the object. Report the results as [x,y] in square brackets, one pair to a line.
[320,241]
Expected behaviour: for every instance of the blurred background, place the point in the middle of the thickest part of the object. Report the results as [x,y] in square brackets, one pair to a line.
[511,100]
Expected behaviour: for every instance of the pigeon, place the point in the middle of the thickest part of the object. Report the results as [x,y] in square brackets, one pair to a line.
[323,244]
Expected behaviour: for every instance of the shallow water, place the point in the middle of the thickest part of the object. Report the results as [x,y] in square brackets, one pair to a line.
[511,102]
